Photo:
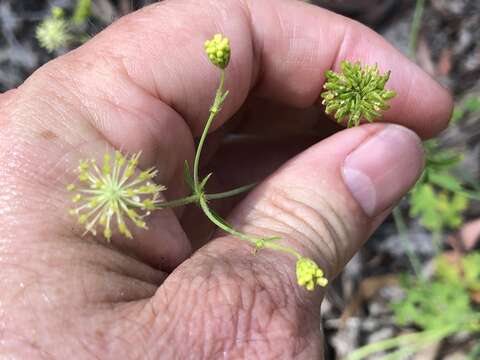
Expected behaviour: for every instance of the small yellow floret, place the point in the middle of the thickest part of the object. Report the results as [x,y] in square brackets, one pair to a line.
[309,274]
[218,50]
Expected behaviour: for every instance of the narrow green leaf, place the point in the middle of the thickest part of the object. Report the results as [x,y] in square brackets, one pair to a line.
[472,104]
[445,181]
[219,218]
[457,114]
[204,181]
[188,176]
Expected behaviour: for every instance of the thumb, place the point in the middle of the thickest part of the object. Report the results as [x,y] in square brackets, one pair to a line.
[324,203]
[327,201]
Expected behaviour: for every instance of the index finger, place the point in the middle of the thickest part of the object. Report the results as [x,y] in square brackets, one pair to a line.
[280,49]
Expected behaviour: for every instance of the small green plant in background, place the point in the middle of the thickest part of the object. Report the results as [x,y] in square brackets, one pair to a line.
[442,306]
[469,105]
[57,31]
[82,12]
[439,198]
[435,309]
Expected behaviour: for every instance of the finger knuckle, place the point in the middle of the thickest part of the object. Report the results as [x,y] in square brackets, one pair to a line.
[306,218]
[236,310]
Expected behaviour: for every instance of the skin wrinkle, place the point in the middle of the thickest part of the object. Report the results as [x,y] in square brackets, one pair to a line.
[243,317]
[337,232]
[233,74]
[167,166]
[278,199]
[173,163]
[232,278]
[105,259]
[138,333]
[165,302]
[301,97]
[343,47]
[260,297]
[288,230]
[26,344]
[115,64]
[65,81]
[15,297]
[21,152]
[257,46]
[407,99]
[173,79]
[37,192]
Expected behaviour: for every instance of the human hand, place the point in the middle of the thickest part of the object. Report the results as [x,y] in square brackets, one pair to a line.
[144,84]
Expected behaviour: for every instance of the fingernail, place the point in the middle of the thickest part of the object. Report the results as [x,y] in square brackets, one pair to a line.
[381,170]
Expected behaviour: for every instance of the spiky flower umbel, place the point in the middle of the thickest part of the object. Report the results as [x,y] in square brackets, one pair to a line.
[53,32]
[309,274]
[356,93]
[113,194]
[218,50]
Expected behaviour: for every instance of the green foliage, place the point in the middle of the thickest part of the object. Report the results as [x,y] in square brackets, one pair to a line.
[446,300]
[439,198]
[475,353]
[470,105]
[433,305]
[82,11]
[466,272]
[471,271]
[437,211]
[457,115]
[437,309]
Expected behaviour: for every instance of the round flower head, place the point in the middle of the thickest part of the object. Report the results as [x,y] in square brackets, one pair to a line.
[53,33]
[356,93]
[309,274]
[218,50]
[113,194]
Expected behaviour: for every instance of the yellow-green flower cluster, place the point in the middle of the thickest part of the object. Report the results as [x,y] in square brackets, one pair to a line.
[114,193]
[356,93]
[218,50]
[309,274]
[53,32]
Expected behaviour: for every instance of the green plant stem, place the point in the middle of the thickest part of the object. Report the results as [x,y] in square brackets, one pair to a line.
[82,11]
[202,199]
[230,193]
[402,231]
[196,197]
[259,243]
[415,28]
[414,341]
[179,202]
[219,97]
